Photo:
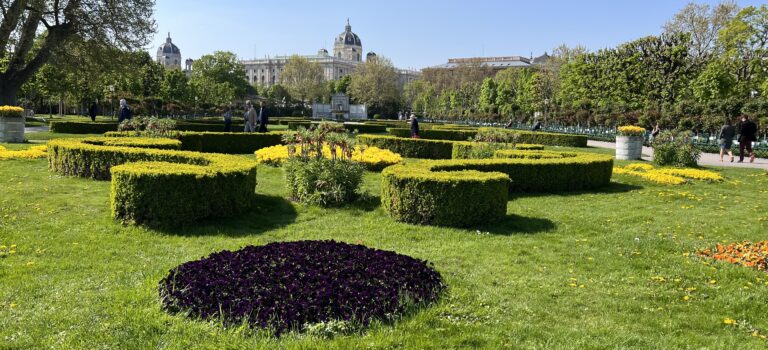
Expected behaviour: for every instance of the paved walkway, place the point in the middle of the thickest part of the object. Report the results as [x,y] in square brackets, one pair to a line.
[35,129]
[709,159]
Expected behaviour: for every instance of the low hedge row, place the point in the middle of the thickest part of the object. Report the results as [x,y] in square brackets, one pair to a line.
[219,142]
[410,148]
[365,128]
[467,192]
[436,134]
[548,139]
[159,187]
[75,127]
[464,149]
[296,125]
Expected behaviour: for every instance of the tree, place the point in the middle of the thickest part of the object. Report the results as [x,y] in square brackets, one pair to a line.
[375,84]
[342,85]
[302,78]
[175,86]
[218,79]
[745,40]
[703,23]
[31,31]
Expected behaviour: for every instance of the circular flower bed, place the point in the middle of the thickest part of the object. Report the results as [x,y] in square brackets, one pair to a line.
[286,286]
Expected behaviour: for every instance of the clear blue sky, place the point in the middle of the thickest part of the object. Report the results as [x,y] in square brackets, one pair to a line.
[414,33]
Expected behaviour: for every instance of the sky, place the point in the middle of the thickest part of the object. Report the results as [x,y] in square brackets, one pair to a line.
[413,34]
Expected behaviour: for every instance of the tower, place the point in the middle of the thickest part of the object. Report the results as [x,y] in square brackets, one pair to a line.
[169,54]
[348,46]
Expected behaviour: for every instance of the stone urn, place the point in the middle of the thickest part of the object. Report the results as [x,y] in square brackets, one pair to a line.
[629,147]
[11,126]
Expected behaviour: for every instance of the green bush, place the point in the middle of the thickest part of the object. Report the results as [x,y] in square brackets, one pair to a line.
[74,127]
[486,150]
[137,142]
[228,143]
[545,138]
[365,128]
[545,171]
[323,181]
[411,148]
[160,187]
[418,194]
[297,125]
[670,149]
[436,134]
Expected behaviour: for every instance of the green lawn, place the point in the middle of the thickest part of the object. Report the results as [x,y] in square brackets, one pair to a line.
[580,270]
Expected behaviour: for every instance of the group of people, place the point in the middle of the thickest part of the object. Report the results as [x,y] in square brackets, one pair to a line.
[747,135]
[255,120]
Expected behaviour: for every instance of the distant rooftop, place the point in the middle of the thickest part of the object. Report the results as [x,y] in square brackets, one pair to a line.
[500,62]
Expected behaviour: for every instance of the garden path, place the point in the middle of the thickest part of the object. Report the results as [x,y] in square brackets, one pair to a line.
[709,159]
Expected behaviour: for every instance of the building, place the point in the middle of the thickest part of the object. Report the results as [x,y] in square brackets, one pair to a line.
[347,55]
[494,63]
[169,54]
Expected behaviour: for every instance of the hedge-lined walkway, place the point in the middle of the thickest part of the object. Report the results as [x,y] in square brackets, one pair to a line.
[710,159]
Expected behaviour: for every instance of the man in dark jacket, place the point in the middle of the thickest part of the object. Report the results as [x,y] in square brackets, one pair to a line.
[414,127]
[92,111]
[748,135]
[263,117]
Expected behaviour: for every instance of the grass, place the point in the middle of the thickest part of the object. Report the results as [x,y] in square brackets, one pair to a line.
[607,269]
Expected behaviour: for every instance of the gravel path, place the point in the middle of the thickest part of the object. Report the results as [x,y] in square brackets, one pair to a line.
[710,159]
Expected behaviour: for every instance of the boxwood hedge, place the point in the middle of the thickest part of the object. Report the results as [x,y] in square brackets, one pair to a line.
[411,148]
[436,134]
[464,150]
[546,138]
[218,142]
[76,127]
[467,192]
[159,187]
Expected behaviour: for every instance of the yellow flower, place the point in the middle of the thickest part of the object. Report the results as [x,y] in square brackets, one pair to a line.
[729,321]
[31,153]
[371,157]
[631,131]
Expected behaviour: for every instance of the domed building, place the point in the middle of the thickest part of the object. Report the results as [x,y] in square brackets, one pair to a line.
[348,45]
[169,54]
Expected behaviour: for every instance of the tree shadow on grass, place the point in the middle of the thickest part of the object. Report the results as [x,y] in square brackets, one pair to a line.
[614,187]
[516,224]
[267,213]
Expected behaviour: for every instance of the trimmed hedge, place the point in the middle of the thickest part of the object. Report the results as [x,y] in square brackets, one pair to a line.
[546,138]
[436,134]
[160,187]
[467,192]
[75,127]
[463,150]
[297,125]
[411,148]
[366,128]
[138,142]
[229,143]
[417,194]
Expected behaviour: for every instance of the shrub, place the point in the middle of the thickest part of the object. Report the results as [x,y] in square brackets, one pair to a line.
[365,128]
[545,138]
[297,125]
[72,127]
[467,192]
[373,158]
[436,134]
[292,285]
[160,187]
[322,181]
[137,142]
[675,150]
[411,148]
[228,143]
[486,150]
[630,131]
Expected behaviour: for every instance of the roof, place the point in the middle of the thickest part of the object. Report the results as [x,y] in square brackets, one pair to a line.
[168,47]
[348,37]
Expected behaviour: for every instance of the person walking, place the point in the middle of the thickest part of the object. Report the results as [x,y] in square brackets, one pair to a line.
[727,133]
[92,111]
[250,117]
[125,112]
[748,135]
[536,126]
[228,119]
[263,117]
[414,126]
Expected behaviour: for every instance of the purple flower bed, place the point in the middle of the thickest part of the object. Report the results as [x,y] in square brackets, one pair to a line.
[283,286]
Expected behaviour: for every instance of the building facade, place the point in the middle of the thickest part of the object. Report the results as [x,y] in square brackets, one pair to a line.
[168,54]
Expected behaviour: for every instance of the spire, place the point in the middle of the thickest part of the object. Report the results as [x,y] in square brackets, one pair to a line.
[168,40]
[348,27]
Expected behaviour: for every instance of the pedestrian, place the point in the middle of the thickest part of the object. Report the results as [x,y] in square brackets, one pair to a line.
[263,117]
[399,115]
[656,131]
[92,111]
[250,117]
[125,112]
[748,135]
[414,126]
[536,126]
[228,119]
[727,132]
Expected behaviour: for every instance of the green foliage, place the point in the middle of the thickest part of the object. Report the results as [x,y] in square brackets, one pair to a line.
[411,148]
[675,150]
[160,187]
[435,134]
[374,83]
[72,127]
[218,79]
[486,150]
[228,143]
[303,79]
[323,182]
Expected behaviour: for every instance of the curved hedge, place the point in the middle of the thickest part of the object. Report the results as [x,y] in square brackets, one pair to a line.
[467,192]
[288,285]
[529,137]
[464,150]
[159,187]
[218,142]
[75,127]
[411,148]
[436,134]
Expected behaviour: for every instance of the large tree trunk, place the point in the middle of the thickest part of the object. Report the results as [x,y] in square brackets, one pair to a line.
[8,94]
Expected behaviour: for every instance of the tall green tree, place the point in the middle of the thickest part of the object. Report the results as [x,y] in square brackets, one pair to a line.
[32,31]
[218,79]
[374,83]
[303,79]
[702,22]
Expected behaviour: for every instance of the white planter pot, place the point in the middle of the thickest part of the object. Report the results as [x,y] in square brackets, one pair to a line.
[12,129]
[629,147]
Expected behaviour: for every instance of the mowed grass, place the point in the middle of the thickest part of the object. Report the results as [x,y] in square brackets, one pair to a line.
[607,269]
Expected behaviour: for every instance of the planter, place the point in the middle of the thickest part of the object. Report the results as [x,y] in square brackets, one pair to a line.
[629,147]
[12,129]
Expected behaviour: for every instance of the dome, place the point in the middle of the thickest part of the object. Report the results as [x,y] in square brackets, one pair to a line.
[349,38]
[168,47]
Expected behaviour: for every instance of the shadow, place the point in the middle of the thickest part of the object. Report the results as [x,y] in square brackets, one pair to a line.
[266,213]
[516,224]
[614,187]
[366,202]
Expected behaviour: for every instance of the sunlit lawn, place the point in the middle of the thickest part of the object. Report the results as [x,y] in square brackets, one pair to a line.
[611,269]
